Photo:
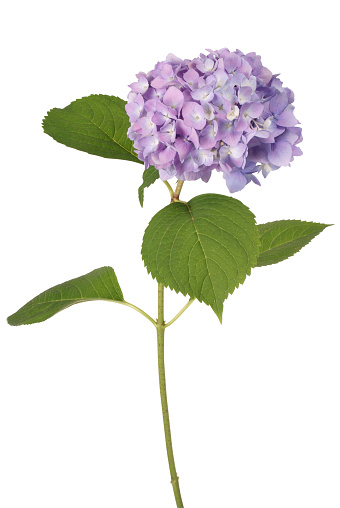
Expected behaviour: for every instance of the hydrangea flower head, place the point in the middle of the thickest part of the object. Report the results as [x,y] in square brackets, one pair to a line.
[222,111]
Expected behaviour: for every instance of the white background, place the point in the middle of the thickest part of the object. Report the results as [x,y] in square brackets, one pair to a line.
[254,403]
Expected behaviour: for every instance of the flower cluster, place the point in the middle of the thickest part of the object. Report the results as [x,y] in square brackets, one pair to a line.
[222,111]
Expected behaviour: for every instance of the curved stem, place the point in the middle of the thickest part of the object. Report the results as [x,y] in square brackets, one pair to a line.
[162,387]
[178,189]
[138,310]
[180,312]
[170,189]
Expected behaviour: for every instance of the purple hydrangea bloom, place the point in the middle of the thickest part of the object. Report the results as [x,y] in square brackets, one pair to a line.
[222,111]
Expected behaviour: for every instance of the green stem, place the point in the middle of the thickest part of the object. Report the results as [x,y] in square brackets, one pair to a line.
[180,312]
[162,387]
[178,190]
[170,189]
[138,310]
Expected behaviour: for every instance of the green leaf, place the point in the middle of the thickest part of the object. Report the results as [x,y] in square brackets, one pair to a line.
[96,124]
[150,175]
[282,239]
[203,248]
[101,284]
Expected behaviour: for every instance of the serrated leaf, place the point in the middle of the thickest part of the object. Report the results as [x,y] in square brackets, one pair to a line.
[100,284]
[150,175]
[282,239]
[203,248]
[96,124]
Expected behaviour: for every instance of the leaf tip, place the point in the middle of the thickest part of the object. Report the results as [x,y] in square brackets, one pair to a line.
[11,321]
[141,197]
[219,313]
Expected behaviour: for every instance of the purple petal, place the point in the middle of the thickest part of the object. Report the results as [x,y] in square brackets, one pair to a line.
[193,137]
[183,148]
[278,103]
[167,134]
[158,82]
[167,71]
[298,131]
[208,135]
[253,179]
[171,58]
[147,126]
[280,153]
[231,135]
[287,118]
[258,153]
[158,119]
[182,129]
[232,62]
[191,76]
[189,164]
[242,123]
[205,174]
[193,115]
[244,94]
[252,109]
[204,94]
[203,157]
[245,68]
[262,133]
[238,150]
[235,181]
[167,155]
[140,86]
[149,143]
[154,93]
[296,151]
[173,98]
[133,110]
[221,77]
[289,136]
[151,105]
[224,154]
[206,66]
[208,111]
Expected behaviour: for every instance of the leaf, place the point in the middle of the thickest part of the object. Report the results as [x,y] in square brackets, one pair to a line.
[203,248]
[96,124]
[150,175]
[100,284]
[282,239]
